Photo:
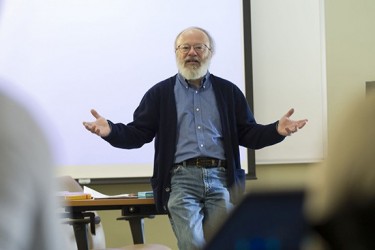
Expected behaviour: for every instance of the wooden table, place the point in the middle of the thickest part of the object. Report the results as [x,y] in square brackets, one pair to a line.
[132,209]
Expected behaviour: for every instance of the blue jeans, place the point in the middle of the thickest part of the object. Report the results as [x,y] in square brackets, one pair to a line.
[198,202]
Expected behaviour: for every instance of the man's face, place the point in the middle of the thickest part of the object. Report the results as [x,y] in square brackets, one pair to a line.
[193,55]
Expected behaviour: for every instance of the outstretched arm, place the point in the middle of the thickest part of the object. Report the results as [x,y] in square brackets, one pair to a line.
[287,127]
[99,127]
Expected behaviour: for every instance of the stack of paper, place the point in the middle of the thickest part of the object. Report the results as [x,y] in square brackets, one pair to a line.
[96,195]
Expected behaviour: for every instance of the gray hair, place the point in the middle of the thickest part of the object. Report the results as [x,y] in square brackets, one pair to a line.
[210,39]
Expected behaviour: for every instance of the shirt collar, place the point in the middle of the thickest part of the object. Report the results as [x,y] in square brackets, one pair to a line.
[204,83]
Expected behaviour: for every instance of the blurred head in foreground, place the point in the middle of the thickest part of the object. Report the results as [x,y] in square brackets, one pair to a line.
[28,215]
[340,202]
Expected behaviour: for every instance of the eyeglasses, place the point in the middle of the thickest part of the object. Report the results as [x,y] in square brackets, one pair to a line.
[199,48]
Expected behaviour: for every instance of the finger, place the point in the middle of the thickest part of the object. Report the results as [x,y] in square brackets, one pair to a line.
[95,114]
[288,131]
[302,123]
[87,125]
[93,129]
[97,131]
[293,129]
[290,112]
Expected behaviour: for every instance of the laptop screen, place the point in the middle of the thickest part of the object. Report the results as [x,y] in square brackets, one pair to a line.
[263,221]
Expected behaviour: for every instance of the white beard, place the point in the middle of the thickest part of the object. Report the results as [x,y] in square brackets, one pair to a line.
[193,73]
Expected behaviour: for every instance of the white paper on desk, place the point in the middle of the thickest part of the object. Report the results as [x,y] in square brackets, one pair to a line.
[96,195]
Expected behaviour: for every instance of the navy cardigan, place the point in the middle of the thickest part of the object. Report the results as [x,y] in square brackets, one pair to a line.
[156,117]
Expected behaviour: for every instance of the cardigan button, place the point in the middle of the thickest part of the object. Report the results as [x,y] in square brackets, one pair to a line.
[167,189]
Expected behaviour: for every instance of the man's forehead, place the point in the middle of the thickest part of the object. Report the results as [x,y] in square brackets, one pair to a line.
[193,34]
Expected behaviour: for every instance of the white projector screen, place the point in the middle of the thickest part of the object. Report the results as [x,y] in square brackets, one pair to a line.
[71,56]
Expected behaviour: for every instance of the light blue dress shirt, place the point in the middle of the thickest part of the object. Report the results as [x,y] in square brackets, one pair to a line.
[199,132]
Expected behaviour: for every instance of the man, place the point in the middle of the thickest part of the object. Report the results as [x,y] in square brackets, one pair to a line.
[198,121]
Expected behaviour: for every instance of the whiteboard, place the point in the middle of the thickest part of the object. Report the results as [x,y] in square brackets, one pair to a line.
[288,46]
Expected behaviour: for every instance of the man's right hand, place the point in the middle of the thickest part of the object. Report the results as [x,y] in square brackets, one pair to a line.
[100,126]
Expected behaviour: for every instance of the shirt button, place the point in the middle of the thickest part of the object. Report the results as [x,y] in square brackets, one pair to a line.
[197,109]
[201,145]
[199,127]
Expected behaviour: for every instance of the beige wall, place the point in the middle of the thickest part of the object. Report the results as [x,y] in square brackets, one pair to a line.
[157,230]
[350,49]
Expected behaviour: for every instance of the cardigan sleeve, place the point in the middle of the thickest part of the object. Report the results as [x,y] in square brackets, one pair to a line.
[141,130]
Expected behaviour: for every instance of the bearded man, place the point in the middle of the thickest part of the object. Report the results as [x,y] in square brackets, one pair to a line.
[198,121]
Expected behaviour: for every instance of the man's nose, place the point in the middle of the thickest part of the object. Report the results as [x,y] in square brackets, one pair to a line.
[192,51]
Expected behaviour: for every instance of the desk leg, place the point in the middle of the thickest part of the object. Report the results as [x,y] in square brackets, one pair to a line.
[136,226]
[135,215]
[80,233]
